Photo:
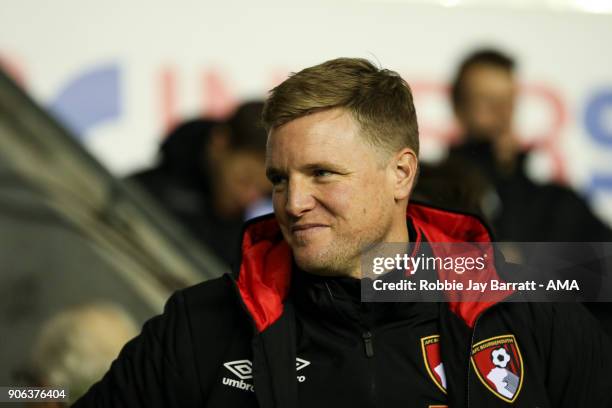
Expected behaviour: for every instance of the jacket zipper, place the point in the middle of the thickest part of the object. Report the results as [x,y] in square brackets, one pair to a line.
[367,342]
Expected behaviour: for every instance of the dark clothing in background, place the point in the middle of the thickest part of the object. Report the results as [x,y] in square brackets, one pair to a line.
[529,212]
[181,184]
[191,205]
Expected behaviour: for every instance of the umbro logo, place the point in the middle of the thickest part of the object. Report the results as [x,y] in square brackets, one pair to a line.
[243,369]
[301,363]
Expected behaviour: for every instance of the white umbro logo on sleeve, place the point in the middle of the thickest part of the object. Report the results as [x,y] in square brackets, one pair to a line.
[301,363]
[243,369]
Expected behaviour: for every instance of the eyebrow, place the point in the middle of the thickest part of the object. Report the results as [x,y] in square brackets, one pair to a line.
[325,165]
[273,171]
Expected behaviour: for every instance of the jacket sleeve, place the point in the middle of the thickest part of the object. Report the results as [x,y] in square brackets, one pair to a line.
[155,369]
[580,359]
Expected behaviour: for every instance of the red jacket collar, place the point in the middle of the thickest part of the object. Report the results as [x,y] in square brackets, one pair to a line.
[265,271]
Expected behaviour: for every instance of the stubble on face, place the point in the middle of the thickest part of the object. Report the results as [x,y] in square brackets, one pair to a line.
[341,257]
[354,204]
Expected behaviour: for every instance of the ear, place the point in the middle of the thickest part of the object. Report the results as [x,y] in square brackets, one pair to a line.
[405,165]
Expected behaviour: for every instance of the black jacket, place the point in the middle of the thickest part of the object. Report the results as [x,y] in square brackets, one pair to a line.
[181,184]
[530,212]
[261,338]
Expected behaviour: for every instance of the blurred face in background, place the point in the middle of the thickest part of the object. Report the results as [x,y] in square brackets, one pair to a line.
[487,108]
[240,181]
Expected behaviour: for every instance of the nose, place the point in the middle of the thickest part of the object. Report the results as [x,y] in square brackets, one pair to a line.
[299,197]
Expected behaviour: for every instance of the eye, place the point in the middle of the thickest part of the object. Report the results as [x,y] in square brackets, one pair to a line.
[322,173]
[276,179]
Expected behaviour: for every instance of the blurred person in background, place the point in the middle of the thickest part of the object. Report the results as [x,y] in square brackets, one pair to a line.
[453,185]
[210,175]
[77,346]
[483,97]
[519,210]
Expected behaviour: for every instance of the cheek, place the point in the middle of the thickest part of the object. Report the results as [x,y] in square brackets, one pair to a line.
[356,203]
[278,204]
[375,199]
[339,200]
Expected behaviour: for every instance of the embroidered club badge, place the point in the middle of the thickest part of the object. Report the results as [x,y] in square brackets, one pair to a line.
[499,366]
[430,346]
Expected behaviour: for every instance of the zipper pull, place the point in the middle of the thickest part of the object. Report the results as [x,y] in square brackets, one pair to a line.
[367,341]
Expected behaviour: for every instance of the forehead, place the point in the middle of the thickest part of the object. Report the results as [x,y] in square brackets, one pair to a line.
[489,78]
[328,134]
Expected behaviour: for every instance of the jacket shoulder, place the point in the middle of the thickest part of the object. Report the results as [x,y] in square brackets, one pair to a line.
[565,346]
[212,302]
[208,293]
[172,362]
[218,325]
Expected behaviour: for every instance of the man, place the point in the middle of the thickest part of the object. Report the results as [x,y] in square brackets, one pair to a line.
[209,176]
[483,97]
[288,328]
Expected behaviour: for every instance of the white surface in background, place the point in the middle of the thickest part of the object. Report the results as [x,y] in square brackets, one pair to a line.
[253,45]
[585,6]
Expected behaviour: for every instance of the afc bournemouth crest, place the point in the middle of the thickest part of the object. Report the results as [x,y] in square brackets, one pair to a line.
[499,366]
[430,346]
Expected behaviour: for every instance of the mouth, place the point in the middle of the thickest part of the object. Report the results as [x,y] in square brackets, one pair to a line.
[307,228]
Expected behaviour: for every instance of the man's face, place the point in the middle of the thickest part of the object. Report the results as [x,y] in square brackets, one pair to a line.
[488,104]
[332,193]
[240,182]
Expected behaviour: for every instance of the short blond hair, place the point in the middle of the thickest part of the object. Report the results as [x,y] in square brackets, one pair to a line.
[378,99]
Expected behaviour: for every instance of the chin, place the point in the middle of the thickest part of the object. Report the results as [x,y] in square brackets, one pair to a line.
[310,261]
[309,247]
[319,261]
